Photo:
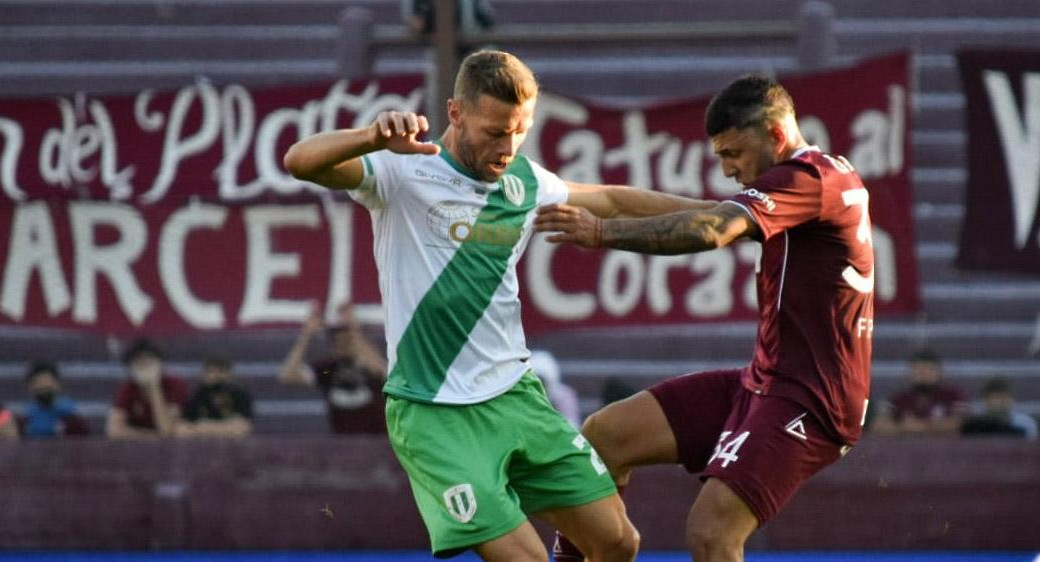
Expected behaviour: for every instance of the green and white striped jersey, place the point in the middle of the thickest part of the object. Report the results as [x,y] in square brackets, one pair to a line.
[446,246]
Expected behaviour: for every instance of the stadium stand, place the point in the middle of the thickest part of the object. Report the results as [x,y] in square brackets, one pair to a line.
[980,323]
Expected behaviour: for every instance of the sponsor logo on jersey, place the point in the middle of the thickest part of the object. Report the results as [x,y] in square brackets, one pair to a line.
[796,427]
[513,187]
[765,199]
[461,502]
[452,181]
[457,223]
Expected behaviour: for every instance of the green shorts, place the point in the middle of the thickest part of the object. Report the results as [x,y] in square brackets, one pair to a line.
[476,470]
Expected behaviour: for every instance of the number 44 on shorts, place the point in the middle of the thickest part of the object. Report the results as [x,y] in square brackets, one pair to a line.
[727,451]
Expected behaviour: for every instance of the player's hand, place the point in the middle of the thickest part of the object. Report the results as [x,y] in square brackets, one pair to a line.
[398,131]
[572,225]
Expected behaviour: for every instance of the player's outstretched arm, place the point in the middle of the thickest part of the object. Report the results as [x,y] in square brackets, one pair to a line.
[695,230]
[331,158]
[619,201]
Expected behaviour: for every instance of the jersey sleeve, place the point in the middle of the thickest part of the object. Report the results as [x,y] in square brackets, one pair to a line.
[124,397]
[551,188]
[375,188]
[784,197]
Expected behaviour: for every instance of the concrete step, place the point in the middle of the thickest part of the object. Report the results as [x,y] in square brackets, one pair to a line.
[186,12]
[27,79]
[938,111]
[648,78]
[938,222]
[937,264]
[959,301]
[46,43]
[938,148]
[936,72]
[269,417]
[939,185]
[23,344]
[590,377]
[893,338]
[99,380]
[933,35]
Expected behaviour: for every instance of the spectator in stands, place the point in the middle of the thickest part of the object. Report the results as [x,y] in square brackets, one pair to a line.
[928,405]
[50,414]
[219,406]
[562,396]
[470,15]
[149,403]
[998,416]
[350,377]
[8,425]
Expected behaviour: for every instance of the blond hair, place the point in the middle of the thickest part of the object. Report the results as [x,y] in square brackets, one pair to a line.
[497,74]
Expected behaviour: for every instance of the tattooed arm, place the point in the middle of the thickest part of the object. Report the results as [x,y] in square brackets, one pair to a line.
[684,232]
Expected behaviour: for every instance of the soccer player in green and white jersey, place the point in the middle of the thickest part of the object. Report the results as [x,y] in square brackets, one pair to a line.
[469,422]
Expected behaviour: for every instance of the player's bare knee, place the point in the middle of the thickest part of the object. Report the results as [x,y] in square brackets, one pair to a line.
[630,540]
[710,543]
[598,430]
[700,543]
[620,545]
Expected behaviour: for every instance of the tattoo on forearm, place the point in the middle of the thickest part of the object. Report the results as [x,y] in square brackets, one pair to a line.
[677,233]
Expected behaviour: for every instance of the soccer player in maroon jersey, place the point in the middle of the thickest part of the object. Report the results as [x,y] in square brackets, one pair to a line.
[756,433]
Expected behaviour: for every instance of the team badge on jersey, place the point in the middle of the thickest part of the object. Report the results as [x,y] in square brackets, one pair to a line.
[513,187]
[796,427]
[461,502]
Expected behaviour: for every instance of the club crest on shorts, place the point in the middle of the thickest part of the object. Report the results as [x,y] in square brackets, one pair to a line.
[461,502]
[796,427]
[513,187]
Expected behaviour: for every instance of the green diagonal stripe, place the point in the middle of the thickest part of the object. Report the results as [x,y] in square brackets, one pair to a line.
[458,298]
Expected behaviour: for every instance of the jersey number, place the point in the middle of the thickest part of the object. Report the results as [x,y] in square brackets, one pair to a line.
[728,451]
[859,198]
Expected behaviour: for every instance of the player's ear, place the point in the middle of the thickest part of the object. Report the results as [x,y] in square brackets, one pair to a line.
[777,137]
[454,112]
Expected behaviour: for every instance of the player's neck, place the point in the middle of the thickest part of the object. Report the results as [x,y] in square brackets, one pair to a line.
[450,142]
[792,149]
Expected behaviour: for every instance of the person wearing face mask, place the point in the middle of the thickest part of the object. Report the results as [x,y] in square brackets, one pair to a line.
[149,402]
[927,405]
[998,415]
[219,407]
[50,414]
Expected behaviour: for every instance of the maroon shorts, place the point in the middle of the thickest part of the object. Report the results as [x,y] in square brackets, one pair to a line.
[762,447]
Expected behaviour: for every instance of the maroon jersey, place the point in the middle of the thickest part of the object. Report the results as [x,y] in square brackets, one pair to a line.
[132,400]
[815,288]
[353,394]
[929,402]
